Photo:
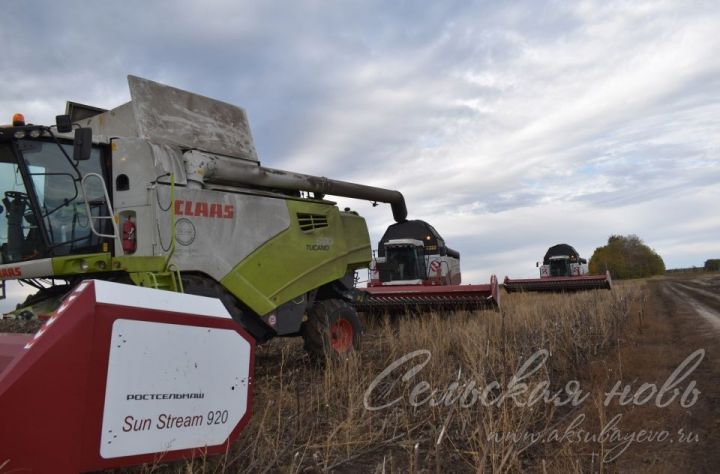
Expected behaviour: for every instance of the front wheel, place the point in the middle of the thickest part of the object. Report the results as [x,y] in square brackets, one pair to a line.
[332,329]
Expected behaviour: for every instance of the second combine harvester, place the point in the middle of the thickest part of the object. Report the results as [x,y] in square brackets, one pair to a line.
[414,271]
[562,270]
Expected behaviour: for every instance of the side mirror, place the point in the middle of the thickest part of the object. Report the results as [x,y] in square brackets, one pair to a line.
[537,264]
[63,123]
[82,144]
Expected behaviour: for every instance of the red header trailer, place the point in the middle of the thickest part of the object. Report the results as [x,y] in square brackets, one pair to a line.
[122,375]
[419,298]
[559,284]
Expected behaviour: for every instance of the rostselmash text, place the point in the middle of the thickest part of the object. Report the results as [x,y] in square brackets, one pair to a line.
[163,396]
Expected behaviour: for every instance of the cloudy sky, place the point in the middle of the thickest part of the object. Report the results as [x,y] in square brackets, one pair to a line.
[510,126]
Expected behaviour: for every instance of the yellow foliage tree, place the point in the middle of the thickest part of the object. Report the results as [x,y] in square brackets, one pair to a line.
[626,256]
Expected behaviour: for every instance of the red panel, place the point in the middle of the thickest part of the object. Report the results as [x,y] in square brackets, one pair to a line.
[449,290]
[558,284]
[11,346]
[52,394]
[559,279]
[42,394]
[403,298]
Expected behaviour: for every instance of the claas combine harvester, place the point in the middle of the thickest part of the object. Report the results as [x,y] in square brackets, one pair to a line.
[414,271]
[562,270]
[112,214]
[167,192]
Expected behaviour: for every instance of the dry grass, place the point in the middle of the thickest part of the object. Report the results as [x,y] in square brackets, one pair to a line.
[310,419]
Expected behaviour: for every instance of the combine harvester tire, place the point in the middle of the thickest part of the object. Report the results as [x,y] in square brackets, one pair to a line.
[333,328]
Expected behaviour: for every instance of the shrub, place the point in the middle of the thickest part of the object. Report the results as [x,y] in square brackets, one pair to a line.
[626,257]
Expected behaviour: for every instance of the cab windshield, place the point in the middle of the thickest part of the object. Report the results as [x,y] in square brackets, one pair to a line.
[43,210]
[559,267]
[402,263]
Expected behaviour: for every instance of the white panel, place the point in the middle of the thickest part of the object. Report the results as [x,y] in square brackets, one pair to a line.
[172,387]
[32,269]
[215,244]
[544,271]
[150,298]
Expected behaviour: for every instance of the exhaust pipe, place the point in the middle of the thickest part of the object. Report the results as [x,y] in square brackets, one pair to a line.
[206,168]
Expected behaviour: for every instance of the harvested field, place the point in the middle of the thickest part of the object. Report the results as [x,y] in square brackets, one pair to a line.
[489,392]
[19,325]
[310,419]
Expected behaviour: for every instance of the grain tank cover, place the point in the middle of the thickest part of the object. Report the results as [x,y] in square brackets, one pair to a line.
[166,115]
[417,230]
[560,250]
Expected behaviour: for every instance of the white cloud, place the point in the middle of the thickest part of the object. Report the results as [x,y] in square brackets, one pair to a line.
[510,127]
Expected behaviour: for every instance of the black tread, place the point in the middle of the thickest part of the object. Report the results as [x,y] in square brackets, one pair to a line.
[315,330]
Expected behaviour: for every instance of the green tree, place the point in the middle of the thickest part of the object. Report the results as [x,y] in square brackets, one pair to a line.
[626,256]
[712,265]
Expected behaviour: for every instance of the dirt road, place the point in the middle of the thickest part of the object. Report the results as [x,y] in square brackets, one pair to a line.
[681,315]
[701,294]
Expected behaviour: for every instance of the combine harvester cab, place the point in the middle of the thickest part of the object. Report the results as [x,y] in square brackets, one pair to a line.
[121,375]
[415,271]
[562,271]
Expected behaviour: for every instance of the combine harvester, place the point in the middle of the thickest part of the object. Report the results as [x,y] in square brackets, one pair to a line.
[167,192]
[562,271]
[415,271]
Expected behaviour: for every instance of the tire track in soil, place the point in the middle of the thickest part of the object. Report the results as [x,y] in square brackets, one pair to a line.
[689,308]
[709,314]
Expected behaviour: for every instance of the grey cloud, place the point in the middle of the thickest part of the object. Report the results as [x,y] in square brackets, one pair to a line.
[476,109]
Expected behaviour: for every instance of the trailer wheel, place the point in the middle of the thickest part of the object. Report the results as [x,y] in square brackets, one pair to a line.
[332,329]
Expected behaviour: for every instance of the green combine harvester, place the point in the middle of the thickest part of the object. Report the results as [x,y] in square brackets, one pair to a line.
[167,192]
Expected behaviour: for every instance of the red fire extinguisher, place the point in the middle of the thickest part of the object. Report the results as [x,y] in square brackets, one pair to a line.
[129,238]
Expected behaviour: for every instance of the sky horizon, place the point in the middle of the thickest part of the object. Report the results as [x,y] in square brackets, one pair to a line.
[510,127]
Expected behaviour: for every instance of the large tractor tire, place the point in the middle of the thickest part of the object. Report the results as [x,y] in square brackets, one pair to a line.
[332,329]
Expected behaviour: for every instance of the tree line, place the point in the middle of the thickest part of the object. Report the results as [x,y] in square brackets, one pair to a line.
[626,256]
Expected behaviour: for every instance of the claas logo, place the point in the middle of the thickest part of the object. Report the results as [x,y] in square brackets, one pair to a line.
[204,209]
[10,272]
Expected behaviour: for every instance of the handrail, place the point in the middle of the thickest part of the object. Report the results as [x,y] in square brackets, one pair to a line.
[91,218]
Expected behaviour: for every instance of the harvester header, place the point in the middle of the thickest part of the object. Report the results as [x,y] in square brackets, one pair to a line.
[120,375]
[562,270]
[415,270]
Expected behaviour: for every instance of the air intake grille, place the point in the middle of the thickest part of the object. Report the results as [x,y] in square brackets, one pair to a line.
[311,221]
